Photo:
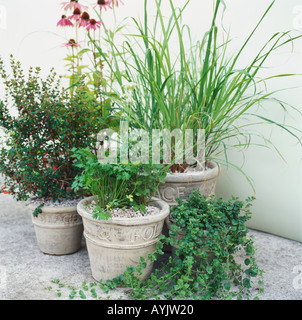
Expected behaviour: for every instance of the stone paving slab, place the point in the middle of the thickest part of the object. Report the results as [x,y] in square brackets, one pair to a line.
[27,274]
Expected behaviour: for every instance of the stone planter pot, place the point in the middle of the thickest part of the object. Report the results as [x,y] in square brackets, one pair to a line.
[59,230]
[118,243]
[181,185]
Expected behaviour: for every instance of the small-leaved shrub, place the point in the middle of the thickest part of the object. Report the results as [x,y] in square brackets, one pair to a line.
[41,123]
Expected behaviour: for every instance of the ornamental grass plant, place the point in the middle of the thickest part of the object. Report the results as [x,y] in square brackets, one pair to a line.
[198,84]
[50,153]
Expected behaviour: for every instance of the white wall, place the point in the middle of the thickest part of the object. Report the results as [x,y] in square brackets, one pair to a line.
[32,36]
[278,208]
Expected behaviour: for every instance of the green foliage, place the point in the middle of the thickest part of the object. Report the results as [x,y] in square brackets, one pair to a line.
[200,84]
[116,185]
[204,265]
[85,65]
[41,124]
[206,235]
[38,210]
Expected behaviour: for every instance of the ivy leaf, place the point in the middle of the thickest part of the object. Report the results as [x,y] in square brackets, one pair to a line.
[246,283]
[159,245]
[247,262]
[82,294]
[209,269]
[93,293]
[227,286]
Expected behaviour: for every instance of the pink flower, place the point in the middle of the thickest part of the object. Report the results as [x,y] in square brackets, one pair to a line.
[84,19]
[72,5]
[104,4]
[76,14]
[116,2]
[71,43]
[64,22]
[93,24]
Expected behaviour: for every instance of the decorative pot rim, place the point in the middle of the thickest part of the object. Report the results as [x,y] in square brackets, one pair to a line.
[49,209]
[163,213]
[212,171]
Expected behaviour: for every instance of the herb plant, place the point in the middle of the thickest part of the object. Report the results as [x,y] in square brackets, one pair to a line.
[116,185]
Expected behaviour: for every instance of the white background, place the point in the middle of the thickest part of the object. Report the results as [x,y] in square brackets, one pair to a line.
[28,31]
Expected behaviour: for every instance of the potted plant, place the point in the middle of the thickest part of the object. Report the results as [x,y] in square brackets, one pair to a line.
[122,222]
[41,123]
[206,234]
[214,256]
[195,86]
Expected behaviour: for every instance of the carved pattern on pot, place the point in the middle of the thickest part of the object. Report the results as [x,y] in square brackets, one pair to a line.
[181,185]
[145,234]
[169,192]
[57,218]
[103,235]
[133,235]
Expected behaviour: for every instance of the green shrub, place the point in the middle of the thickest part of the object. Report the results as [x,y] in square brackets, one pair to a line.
[49,121]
